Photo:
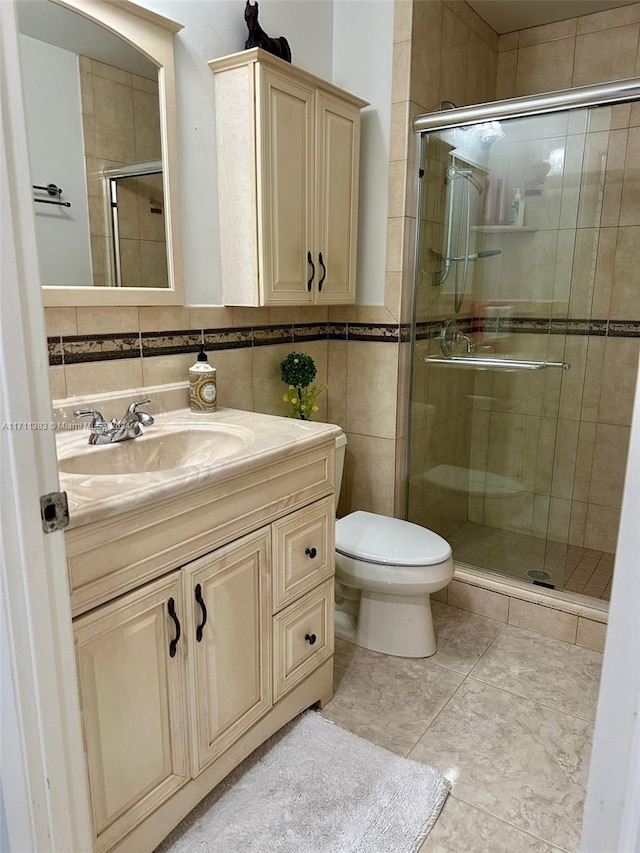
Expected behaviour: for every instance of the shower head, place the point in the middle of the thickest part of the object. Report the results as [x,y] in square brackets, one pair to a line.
[487,133]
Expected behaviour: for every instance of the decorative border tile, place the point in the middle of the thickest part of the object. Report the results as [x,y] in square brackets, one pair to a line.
[82,348]
[170,343]
[75,349]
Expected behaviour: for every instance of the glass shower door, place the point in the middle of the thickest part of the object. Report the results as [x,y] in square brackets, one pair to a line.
[494,425]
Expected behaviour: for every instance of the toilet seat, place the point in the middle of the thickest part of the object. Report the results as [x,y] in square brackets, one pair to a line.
[389,542]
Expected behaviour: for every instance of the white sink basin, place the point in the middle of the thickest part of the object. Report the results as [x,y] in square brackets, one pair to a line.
[185,446]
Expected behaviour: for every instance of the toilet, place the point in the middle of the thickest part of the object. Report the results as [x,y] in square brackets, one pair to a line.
[386,570]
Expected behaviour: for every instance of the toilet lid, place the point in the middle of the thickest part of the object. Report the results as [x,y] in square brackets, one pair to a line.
[390,541]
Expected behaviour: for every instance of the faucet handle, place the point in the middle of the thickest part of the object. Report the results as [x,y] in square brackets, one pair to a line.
[134,406]
[97,419]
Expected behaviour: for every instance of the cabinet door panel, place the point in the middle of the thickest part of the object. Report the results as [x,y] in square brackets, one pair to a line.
[337,156]
[231,663]
[132,698]
[285,223]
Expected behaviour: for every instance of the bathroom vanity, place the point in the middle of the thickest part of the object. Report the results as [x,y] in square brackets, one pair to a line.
[202,594]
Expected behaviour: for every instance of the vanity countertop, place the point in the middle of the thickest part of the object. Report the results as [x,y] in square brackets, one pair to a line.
[93,497]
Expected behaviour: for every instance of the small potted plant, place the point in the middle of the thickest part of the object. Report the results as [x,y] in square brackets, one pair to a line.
[298,371]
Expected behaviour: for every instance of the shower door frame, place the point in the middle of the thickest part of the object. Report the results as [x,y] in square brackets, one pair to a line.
[581,97]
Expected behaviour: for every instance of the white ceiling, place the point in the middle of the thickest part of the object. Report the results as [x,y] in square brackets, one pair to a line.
[504,16]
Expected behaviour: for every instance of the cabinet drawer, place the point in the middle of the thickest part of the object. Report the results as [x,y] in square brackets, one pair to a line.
[302,638]
[303,546]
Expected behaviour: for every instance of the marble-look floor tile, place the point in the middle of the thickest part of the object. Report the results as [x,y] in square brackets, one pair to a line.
[462,828]
[387,700]
[522,762]
[549,671]
[462,637]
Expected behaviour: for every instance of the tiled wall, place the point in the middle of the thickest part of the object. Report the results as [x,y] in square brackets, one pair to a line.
[121,124]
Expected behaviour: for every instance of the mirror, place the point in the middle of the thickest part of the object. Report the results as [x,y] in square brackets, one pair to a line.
[99,92]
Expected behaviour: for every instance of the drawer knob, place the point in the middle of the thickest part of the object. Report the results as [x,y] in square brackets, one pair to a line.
[311,638]
[310,552]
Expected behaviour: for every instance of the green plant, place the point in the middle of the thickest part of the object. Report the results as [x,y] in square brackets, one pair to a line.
[298,371]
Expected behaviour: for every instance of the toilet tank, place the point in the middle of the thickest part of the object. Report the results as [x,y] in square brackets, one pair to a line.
[341,443]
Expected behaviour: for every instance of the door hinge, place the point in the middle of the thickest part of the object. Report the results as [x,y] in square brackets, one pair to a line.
[54,511]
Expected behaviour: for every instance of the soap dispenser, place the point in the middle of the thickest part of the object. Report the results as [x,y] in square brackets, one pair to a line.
[203,395]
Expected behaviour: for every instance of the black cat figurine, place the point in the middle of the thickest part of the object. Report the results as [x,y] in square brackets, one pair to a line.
[258,37]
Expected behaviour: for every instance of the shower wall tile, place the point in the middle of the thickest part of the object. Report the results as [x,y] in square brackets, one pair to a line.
[564,465]
[509,41]
[610,452]
[630,205]
[403,20]
[578,523]
[607,246]
[559,520]
[605,55]
[545,67]
[609,18]
[624,290]
[584,461]
[506,74]
[614,177]
[593,378]
[619,370]
[601,528]
[590,634]
[402,70]
[548,32]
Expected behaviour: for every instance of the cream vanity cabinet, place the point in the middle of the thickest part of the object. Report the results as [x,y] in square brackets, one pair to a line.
[288,147]
[183,675]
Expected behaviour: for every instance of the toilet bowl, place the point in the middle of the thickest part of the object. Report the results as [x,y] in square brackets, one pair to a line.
[386,570]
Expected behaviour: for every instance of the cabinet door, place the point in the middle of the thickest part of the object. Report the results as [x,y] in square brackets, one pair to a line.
[229,601]
[132,689]
[337,179]
[285,181]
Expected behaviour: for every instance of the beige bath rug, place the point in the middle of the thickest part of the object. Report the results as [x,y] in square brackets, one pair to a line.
[316,788]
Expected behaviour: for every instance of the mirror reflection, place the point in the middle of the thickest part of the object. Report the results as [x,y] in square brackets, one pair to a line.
[93,125]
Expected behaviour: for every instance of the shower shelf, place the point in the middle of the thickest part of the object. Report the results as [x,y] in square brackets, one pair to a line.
[502,229]
[493,363]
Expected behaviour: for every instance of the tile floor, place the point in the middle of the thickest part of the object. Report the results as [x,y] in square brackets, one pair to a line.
[506,714]
[574,569]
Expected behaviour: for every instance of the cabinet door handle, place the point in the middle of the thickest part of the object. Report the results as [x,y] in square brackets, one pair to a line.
[173,645]
[311,638]
[310,552]
[200,600]
[324,273]
[313,271]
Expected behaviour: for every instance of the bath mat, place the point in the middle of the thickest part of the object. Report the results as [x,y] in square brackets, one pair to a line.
[315,788]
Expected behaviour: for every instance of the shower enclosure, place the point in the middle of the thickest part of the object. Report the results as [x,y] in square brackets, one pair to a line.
[525,331]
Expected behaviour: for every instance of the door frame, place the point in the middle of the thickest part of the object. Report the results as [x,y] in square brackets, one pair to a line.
[44,797]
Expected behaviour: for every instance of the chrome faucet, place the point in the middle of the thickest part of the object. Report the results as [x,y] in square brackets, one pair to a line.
[129,427]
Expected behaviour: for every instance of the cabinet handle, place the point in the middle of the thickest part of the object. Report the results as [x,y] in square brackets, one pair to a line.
[199,599]
[311,638]
[313,271]
[324,273]
[310,552]
[173,645]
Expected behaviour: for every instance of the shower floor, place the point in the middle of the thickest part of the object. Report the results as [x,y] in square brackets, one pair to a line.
[571,568]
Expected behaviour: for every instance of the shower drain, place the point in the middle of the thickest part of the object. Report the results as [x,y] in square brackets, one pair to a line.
[538,575]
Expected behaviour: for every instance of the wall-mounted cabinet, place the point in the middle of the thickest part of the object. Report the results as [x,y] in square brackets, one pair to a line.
[288,147]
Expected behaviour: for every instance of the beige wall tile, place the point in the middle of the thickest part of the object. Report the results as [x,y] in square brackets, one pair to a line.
[548,32]
[395,237]
[160,369]
[57,382]
[591,635]
[250,316]
[559,520]
[369,475]
[234,377]
[509,41]
[610,452]
[607,246]
[624,290]
[96,321]
[593,379]
[614,178]
[564,464]
[61,321]
[578,523]
[402,19]
[376,313]
[399,136]
[401,80]
[543,620]
[584,461]
[478,600]
[397,180]
[203,317]
[173,318]
[572,380]
[97,376]
[605,55]
[630,205]
[545,67]
[601,529]
[372,373]
[619,372]
[337,381]
[609,18]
